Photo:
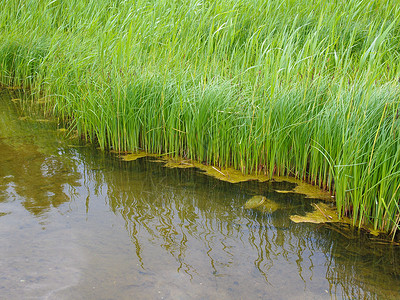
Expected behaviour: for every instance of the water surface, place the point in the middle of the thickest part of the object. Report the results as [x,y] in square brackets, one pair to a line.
[77,223]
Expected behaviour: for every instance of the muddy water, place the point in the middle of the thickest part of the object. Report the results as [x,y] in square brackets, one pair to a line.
[76,223]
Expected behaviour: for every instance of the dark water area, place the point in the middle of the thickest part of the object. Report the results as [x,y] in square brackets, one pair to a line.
[78,223]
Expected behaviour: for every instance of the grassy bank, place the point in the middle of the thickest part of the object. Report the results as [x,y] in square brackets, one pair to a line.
[282,87]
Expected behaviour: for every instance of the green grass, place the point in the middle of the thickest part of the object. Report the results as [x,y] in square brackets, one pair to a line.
[281,87]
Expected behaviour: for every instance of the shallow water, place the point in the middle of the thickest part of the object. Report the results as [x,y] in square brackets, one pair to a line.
[76,223]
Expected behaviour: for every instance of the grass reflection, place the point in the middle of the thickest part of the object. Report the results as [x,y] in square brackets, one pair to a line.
[201,223]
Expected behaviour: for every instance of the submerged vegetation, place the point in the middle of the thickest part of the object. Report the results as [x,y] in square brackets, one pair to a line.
[275,87]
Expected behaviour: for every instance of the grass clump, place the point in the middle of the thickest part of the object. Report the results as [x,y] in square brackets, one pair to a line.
[275,87]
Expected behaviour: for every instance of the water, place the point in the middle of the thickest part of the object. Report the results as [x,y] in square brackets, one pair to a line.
[77,223]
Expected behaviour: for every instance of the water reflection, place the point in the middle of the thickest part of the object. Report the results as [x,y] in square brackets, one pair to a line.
[32,177]
[39,255]
[27,170]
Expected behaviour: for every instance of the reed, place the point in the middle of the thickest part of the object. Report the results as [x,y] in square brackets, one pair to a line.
[281,87]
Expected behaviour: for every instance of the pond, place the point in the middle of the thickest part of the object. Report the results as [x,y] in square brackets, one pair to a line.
[79,223]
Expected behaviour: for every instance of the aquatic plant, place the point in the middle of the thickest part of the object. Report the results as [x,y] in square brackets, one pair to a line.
[275,87]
